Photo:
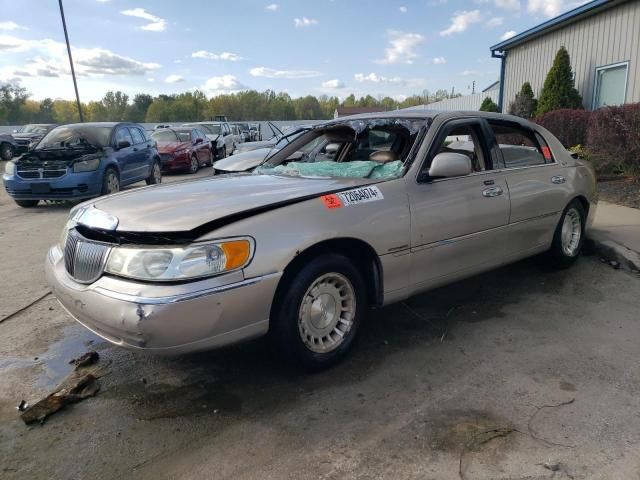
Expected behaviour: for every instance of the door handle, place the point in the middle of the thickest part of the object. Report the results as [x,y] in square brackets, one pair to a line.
[558,179]
[135,149]
[492,192]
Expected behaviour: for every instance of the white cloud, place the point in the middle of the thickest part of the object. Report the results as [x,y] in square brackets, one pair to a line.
[156,24]
[468,73]
[461,21]
[304,22]
[382,80]
[229,56]
[333,84]
[551,8]
[272,7]
[290,74]
[508,4]
[403,9]
[439,60]
[508,35]
[174,79]
[223,84]
[494,22]
[402,49]
[9,25]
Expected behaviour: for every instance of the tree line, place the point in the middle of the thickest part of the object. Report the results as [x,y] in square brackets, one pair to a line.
[17,108]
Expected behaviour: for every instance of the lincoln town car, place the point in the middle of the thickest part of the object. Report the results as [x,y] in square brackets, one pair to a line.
[356,213]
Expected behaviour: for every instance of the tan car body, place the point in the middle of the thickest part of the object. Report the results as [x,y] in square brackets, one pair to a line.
[419,236]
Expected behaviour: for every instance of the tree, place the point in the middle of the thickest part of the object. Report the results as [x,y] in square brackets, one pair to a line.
[139,106]
[489,105]
[559,88]
[46,111]
[525,104]
[65,111]
[115,106]
[12,99]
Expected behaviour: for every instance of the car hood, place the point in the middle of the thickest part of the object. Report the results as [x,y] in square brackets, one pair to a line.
[241,162]
[188,205]
[172,147]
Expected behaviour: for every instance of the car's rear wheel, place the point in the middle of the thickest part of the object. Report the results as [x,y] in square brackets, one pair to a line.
[194,166]
[568,237]
[223,153]
[156,174]
[27,203]
[317,311]
[6,151]
[110,182]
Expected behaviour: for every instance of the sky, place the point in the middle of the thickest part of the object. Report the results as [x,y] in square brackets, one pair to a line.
[334,47]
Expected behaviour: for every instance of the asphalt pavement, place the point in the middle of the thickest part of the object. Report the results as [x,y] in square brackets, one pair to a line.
[523,372]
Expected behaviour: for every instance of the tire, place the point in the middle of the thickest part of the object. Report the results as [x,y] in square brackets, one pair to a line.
[568,237]
[223,154]
[195,165]
[156,174]
[210,162]
[304,317]
[6,151]
[110,182]
[27,203]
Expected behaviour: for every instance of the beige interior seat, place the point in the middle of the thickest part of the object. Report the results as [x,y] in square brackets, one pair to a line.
[384,156]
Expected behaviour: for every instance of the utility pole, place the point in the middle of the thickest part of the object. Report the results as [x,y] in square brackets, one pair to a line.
[73,72]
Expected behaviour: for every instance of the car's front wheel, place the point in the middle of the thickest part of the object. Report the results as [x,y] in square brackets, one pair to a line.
[6,151]
[568,236]
[110,182]
[194,165]
[156,174]
[318,310]
[223,152]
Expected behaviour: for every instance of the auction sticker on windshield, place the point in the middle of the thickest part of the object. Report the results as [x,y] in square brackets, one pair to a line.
[353,197]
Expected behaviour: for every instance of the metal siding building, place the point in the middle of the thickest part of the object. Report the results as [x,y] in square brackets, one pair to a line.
[597,34]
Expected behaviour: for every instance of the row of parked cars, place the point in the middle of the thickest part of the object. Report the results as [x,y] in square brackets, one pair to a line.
[85,160]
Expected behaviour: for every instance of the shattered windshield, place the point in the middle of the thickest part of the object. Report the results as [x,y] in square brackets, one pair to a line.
[70,136]
[377,148]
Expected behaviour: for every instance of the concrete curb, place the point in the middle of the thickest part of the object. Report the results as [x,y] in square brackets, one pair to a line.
[613,251]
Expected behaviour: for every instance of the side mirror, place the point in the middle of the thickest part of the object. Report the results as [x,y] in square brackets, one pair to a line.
[197,141]
[225,134]
[450,164]
[123,144]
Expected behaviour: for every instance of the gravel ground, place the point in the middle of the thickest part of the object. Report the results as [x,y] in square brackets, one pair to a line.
[623,192]
[451,384]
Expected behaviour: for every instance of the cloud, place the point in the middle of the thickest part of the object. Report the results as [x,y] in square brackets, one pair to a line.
[304,22]
[382,80]
[290,74]
[231,57]
[403,9]
[508,4]
[402,49]
[552,8]
[508,35]
[439,60]
[174,79]
[461,21]
[272,7]
[156,24]
[494,22]
[223,84]
[9,25]
[468,73]
[333,84]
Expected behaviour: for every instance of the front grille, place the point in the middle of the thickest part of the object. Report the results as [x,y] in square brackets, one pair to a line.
[84,259]
[26,172]
[22,141]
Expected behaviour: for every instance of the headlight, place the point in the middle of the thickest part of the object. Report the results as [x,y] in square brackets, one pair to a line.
[10,168]
[181,263]
[86,165]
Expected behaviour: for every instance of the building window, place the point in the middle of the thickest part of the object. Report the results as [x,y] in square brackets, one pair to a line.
[611,85]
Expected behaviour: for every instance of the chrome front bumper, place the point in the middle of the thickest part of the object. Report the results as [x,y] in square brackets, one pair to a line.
[171,319]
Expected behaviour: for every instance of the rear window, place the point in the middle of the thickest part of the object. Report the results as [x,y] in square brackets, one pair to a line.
[164,136]
[520,147]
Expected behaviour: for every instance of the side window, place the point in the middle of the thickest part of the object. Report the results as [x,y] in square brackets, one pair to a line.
[123,135]
[467,140]
[519,146]
[136,135]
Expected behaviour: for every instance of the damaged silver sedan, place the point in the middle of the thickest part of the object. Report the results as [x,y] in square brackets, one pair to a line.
[353,213]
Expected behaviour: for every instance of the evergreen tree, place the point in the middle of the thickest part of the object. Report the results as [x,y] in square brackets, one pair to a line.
[489,105]
[559,89]
[525,104]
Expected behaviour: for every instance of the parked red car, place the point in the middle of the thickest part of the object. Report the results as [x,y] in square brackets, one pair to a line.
[183,149]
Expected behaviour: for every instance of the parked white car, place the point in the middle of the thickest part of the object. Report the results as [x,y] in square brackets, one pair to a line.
[220,136]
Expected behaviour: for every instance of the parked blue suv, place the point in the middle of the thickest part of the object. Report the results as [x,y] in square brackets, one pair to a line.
[83,160]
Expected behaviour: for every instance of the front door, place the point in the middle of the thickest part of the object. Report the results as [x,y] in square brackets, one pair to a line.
[142,154]
[458,223]
[125,155]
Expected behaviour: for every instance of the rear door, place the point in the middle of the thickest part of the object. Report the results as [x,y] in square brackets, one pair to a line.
[537,187]
[458,224]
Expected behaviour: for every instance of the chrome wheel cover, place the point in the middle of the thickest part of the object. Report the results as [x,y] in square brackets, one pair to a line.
[194,164]
[571,232]
[327,312]
[113,185]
